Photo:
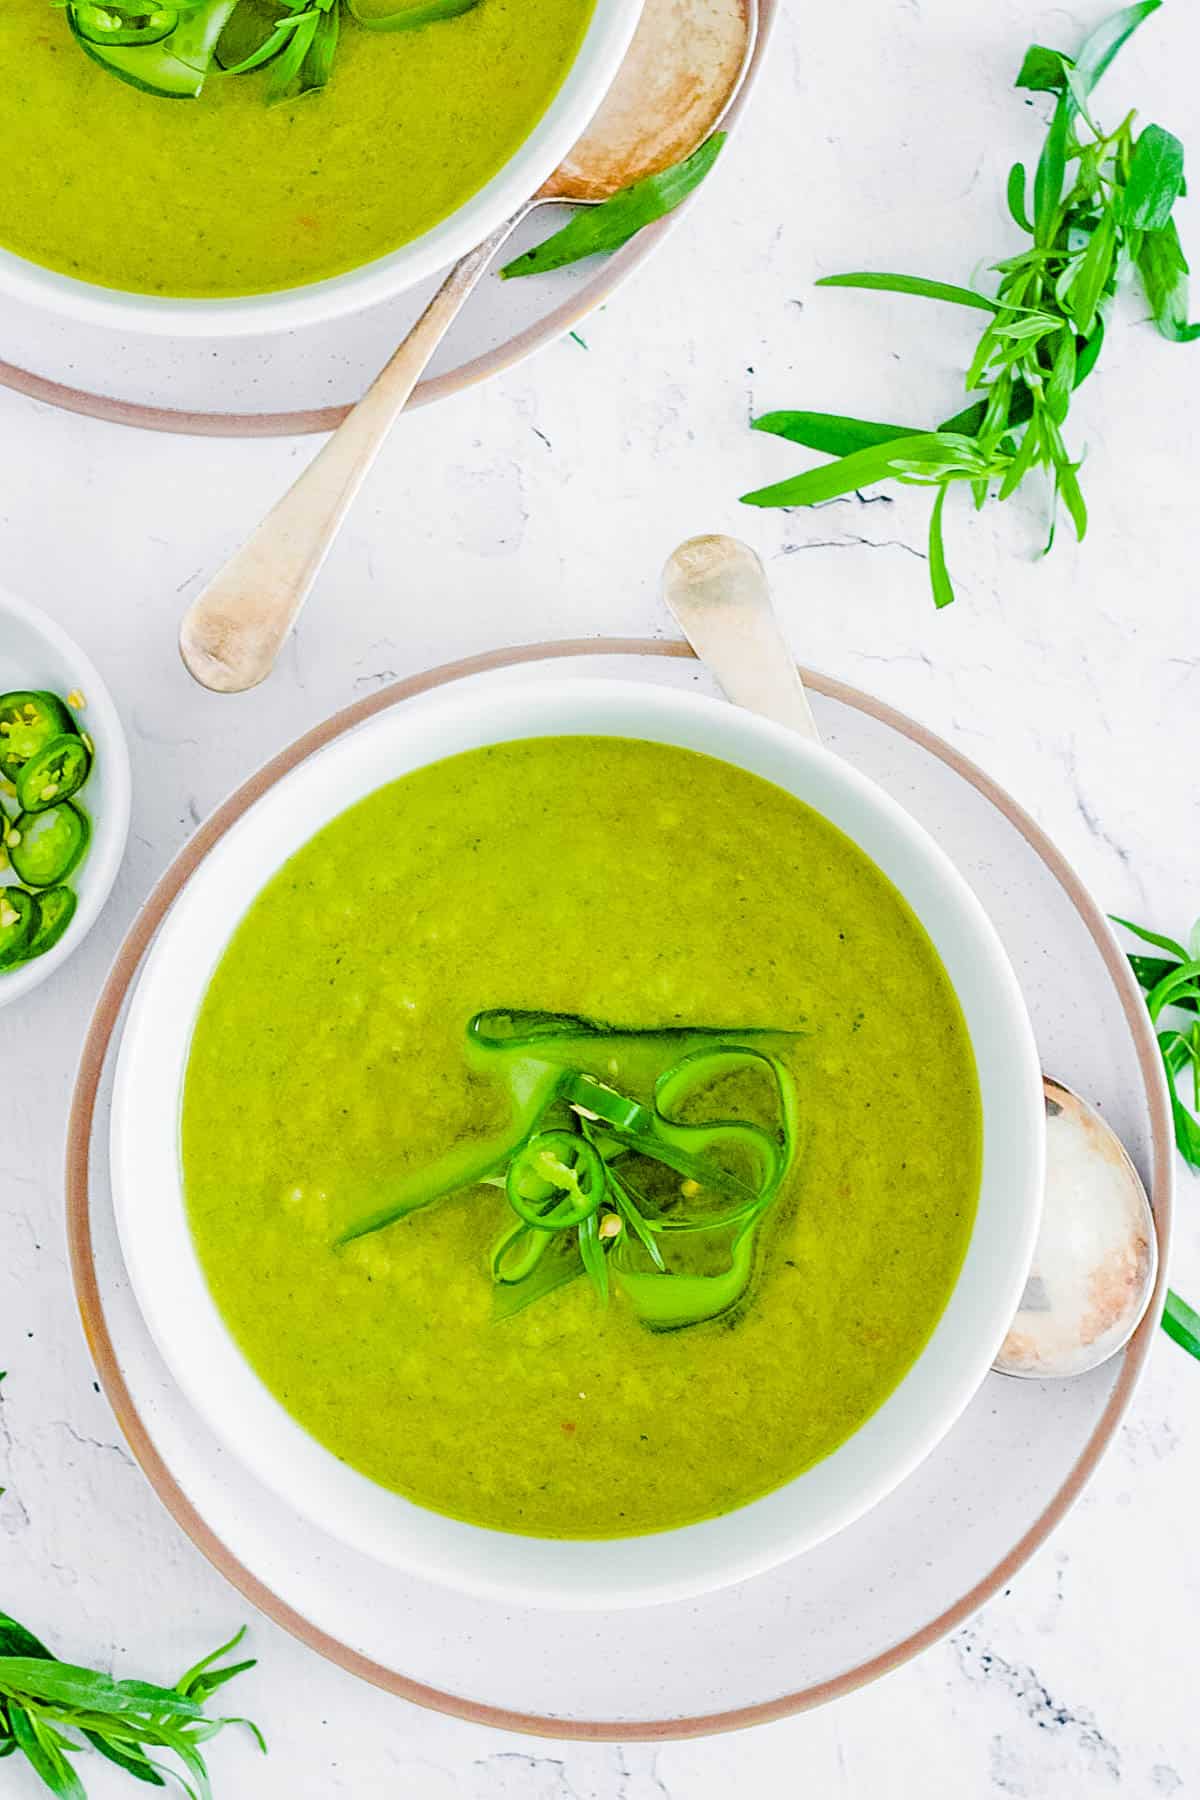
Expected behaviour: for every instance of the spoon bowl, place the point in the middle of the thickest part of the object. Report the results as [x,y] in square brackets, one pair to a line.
[1096,1260]
[679,78]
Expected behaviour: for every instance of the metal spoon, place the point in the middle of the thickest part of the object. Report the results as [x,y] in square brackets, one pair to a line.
[685,65]
[1096,1259]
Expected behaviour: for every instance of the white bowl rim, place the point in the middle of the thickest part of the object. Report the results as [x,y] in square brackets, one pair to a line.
[110,826]
[577,1574]
[587,79]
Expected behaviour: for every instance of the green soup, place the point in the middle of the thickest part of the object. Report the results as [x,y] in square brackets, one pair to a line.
[226,195]
[628,882]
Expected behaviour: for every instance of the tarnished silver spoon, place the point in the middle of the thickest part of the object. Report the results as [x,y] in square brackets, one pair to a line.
[1096,1259]
[681,74]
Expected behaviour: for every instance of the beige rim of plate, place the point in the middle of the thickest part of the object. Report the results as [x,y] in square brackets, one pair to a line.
[615,270]
[87,1289]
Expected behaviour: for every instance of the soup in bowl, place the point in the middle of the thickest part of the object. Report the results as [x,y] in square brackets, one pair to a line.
[583,1144]
[171,182]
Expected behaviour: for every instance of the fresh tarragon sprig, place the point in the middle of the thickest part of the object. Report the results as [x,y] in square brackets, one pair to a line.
[598,230]
[1046,320]
[50,1711]
[1171,984]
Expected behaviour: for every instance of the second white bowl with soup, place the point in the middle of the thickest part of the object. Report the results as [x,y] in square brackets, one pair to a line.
[238,211]
[599,1163]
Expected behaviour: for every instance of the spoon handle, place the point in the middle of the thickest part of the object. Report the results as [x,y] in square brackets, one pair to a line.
[233,632]
[717,589]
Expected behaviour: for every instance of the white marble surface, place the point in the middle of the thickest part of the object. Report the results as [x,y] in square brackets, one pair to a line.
[541,506]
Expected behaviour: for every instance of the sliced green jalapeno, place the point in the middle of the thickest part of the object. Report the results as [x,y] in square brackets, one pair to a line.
[53,773]
[18,922]
[43,847]
[555,1181]
[55,910]
[111,25]
[29,720]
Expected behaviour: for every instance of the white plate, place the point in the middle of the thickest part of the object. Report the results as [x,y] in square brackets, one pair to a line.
[35,652]
[848,1610]
[285,382]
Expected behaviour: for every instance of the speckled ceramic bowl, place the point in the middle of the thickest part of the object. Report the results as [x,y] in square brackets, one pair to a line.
[170,1284]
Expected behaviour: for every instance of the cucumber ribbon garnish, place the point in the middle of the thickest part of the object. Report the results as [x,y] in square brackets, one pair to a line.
[170,50]
[654,1195]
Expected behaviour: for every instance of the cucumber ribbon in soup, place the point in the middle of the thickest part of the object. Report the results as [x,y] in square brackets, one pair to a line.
[630,1192]
[170,50]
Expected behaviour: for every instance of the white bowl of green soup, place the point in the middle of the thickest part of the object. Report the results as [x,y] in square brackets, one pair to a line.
[582,1144]
[170,182]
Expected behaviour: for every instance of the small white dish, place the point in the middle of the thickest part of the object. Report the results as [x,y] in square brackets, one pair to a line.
[587,80]
[37,653]
[174,1296]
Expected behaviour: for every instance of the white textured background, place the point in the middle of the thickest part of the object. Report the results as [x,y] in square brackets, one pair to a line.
[543,506]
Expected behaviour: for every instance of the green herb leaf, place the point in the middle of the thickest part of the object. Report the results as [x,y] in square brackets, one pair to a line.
[264,51]
[409,18]
[927,456]
[1087,354]
[1178,1054]
[1154,182]
[204,1678]
[317,67]
[1028,450]
[1182,1322]
[598,230]
[1018,181]
[1149,971]
[830,433]
[969,420]
[67,1684]
[911,284]
[1063,376]
[1164,271]
[129,1757]
[1071,494]
[15,1640]
[1089,283]
[1043,71]
[943,589]
[1050,175]
[1182,983]
[1173,984]
[591,1251]
[631,1213]
[43,1754]
[1152,937]
[1099,50]
[286,65]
